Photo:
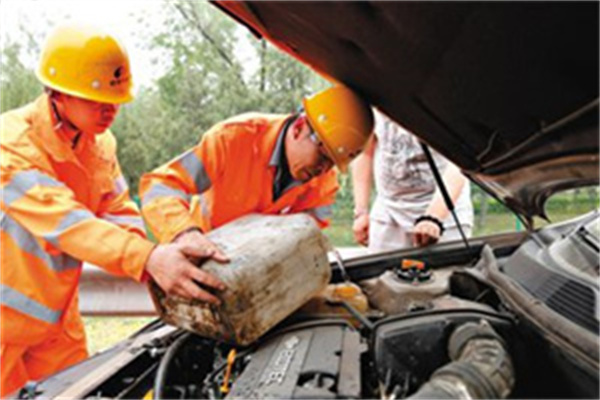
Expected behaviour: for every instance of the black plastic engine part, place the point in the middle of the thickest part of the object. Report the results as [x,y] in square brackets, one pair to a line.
[413,271]
[407,350]
[481,367]
[182,367]
[540,274]
[308,362]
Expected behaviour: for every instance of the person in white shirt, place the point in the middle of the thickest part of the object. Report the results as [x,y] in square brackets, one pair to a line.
[408,209]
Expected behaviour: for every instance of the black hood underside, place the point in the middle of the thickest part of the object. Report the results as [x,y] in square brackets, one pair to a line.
[506,90]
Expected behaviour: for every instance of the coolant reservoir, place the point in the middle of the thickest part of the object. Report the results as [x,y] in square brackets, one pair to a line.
[393,294]
[327,302]
[277,264]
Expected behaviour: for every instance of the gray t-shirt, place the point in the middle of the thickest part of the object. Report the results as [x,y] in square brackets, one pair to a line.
[404,181]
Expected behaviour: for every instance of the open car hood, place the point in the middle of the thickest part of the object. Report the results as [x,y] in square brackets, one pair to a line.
[506,90]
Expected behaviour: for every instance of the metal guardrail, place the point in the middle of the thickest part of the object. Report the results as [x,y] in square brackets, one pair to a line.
[103,294]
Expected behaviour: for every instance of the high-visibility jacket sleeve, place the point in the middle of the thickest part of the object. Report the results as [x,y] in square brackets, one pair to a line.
[166,192]
[319,201]
[117,207]
[47,208]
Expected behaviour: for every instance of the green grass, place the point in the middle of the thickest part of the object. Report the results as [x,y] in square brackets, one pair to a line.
[340,231]
[103,332]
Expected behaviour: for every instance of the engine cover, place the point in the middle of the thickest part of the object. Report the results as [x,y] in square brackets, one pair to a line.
[309,361]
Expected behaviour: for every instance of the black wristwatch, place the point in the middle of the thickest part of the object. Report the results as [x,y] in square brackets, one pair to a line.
[426,217]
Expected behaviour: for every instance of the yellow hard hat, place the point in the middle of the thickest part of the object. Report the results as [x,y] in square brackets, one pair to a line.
[343,122]
[86,62]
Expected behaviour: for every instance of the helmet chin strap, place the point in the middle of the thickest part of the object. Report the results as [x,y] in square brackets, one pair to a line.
[64,122]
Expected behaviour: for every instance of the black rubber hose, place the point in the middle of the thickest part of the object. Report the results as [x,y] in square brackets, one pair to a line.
[163,367]
[481,367]
[364,321]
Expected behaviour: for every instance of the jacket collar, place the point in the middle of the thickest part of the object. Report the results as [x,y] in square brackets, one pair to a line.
[277,160]
[276,157]
[54,140]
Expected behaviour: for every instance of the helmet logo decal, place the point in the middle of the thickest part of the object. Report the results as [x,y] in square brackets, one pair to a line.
[119,78]
[354,154]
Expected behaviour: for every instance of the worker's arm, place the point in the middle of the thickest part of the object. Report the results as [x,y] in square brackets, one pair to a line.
[44,206]
[428,232]
[117,207]
[362,181]
[166,193]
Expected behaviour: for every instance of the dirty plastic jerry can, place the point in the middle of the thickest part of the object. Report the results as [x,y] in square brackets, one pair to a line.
[277,264]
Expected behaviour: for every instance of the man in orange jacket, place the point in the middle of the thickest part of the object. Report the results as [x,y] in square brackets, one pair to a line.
[257,163]
[64,200]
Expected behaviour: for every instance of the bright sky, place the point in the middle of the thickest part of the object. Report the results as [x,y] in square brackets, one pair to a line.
[133,21]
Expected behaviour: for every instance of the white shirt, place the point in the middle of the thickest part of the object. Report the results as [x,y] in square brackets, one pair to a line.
[403,179]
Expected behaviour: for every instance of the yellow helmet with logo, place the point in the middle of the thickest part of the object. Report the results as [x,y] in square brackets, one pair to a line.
[342,120]
[86,62]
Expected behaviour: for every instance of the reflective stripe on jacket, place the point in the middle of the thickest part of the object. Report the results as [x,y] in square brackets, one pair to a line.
[60,206]
[227,175]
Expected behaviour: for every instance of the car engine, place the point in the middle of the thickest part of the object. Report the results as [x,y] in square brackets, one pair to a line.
[332,350]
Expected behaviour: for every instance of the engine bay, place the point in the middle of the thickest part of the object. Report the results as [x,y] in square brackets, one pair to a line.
[316,354]
[411,331]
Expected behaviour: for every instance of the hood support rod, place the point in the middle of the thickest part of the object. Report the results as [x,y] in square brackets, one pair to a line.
[447,200]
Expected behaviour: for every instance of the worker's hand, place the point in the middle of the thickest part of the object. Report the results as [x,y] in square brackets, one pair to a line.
[196,239]
[171,268]
[425,233]
[360,228]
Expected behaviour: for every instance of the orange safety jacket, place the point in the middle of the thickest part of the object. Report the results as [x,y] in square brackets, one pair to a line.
[60,206]
[230,173]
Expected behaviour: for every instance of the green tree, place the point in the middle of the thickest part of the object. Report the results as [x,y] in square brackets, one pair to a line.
[281,81]
[201,85]
[204,82]
[18,83]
